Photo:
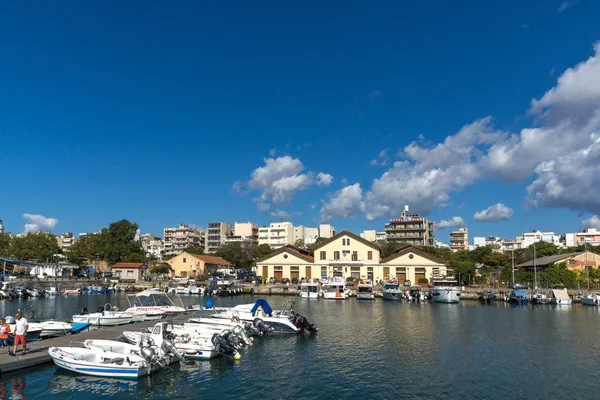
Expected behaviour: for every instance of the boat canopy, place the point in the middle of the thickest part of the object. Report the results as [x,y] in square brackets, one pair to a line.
[560,294]
[264,305]
[520,293]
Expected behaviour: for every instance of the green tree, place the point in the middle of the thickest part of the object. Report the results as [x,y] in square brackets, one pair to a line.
[463,269]
[4,243]
[39,246]
[121,244]
[300,244]
[262,250]
[88,247]
[160,268]
[195,250]
[238,254]
[389,248]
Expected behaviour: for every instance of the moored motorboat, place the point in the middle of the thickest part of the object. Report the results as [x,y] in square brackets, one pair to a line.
[310,289]
[445,289]
[392,291]
[560,297]
[539,298]
[154,303]
[591,299]
[518,296]
[364,290]
[103,317]
[335,289]
[100,363]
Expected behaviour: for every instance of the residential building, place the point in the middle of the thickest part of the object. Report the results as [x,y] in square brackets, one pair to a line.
[537,236]
[1,227]
[308,235]
[153,245]
[128,272]
[573,261]
[590,236]
[479,241]
[510,245]
[277,234]
[326,231]
[239,239]
[183,237]
[65,241]
[54,270]
[350,256]
[411,229]
[370,235]
[191,266]
[216,234]
[246,229]
[459,240]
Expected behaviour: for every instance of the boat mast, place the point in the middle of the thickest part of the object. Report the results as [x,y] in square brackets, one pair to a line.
[534,267]
[512,259]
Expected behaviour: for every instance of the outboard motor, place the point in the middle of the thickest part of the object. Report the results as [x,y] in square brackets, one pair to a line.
[239,332]
[251,330]
[83,311]
[262,327]
[169,348]
[302,323]
[100,310]
[223,346]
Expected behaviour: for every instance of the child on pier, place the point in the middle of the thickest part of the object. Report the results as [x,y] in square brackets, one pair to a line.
[4,330]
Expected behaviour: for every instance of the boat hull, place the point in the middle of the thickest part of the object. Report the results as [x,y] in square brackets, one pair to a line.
[110,370]
[97,320]
[590,301]
[334,296]
[561,302]
[309,295]
[446,295]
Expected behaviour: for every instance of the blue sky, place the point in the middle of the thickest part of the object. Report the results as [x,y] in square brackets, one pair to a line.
[168,113]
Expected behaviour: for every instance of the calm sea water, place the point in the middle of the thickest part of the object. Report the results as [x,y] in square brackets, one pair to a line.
[366,349]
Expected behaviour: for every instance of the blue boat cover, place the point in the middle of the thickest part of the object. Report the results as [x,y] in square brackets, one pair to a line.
[209,304]
[265,306]
[520,293]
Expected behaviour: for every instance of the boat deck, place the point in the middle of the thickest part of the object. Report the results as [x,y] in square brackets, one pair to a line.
[37,352]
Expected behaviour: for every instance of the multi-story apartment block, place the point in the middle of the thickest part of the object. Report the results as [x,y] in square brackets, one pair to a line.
[459,240]
[246,229]
[216,234]
[277,234]
[1,227]
[530,238]
[373,236]
[411,229]
[183,237]
[326,231]
[153,245]
[308,235]
[591,236]
[65,241]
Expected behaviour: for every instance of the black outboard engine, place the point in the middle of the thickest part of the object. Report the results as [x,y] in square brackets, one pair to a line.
[83,311]
[100,310]
[262,327]
[222,344]
[302,323]
[251,330]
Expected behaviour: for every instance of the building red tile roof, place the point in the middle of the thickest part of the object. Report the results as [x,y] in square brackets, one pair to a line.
[128,265]
[213,260]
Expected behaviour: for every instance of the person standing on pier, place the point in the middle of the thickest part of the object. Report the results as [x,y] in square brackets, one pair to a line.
[20,332]
[4,330]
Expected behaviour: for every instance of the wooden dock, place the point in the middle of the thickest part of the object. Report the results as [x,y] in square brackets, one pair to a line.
[37,352]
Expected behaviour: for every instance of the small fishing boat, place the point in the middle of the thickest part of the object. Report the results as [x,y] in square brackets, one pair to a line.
[364,290]
[539,298]
[591,299]
[155,304]
[100,363]
[518,296]
[310,290]
[104,317]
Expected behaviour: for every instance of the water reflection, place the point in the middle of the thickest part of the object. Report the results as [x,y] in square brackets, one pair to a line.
[17,388]
[63,381]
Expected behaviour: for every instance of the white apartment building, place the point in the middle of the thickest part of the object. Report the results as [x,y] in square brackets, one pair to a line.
[308,235]
[591,236]
[326,231]
[277,234]
[153,245]
[183,237]
[530,238]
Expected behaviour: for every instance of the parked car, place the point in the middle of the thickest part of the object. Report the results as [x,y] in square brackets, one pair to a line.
[295,281]
[272,280]
[285,280]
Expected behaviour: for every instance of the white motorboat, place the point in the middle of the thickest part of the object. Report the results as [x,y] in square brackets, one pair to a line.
[283,321]
[182,290]
[591,299]
[100,363]
[154,303]
[104,317]
[392,291]
[335,289]
[34,331]
[560,297]
[310,290]
[195,290]
[72,292]
[55,328]
[199,348]
[445,289]
[364,290]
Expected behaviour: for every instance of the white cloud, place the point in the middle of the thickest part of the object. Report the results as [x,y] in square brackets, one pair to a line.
[280,215]
[324,179]
[427,176]
[564,6]
[452,222]
[496,212]
[39,223]
[344,181]
[273,152]
[381,160]
[375,94]
[345,203]
[592,222]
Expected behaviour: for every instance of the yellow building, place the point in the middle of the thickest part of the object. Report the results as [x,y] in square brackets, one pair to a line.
[411,263]
[348,255]
[459,240]
[286,262]
[190,266]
